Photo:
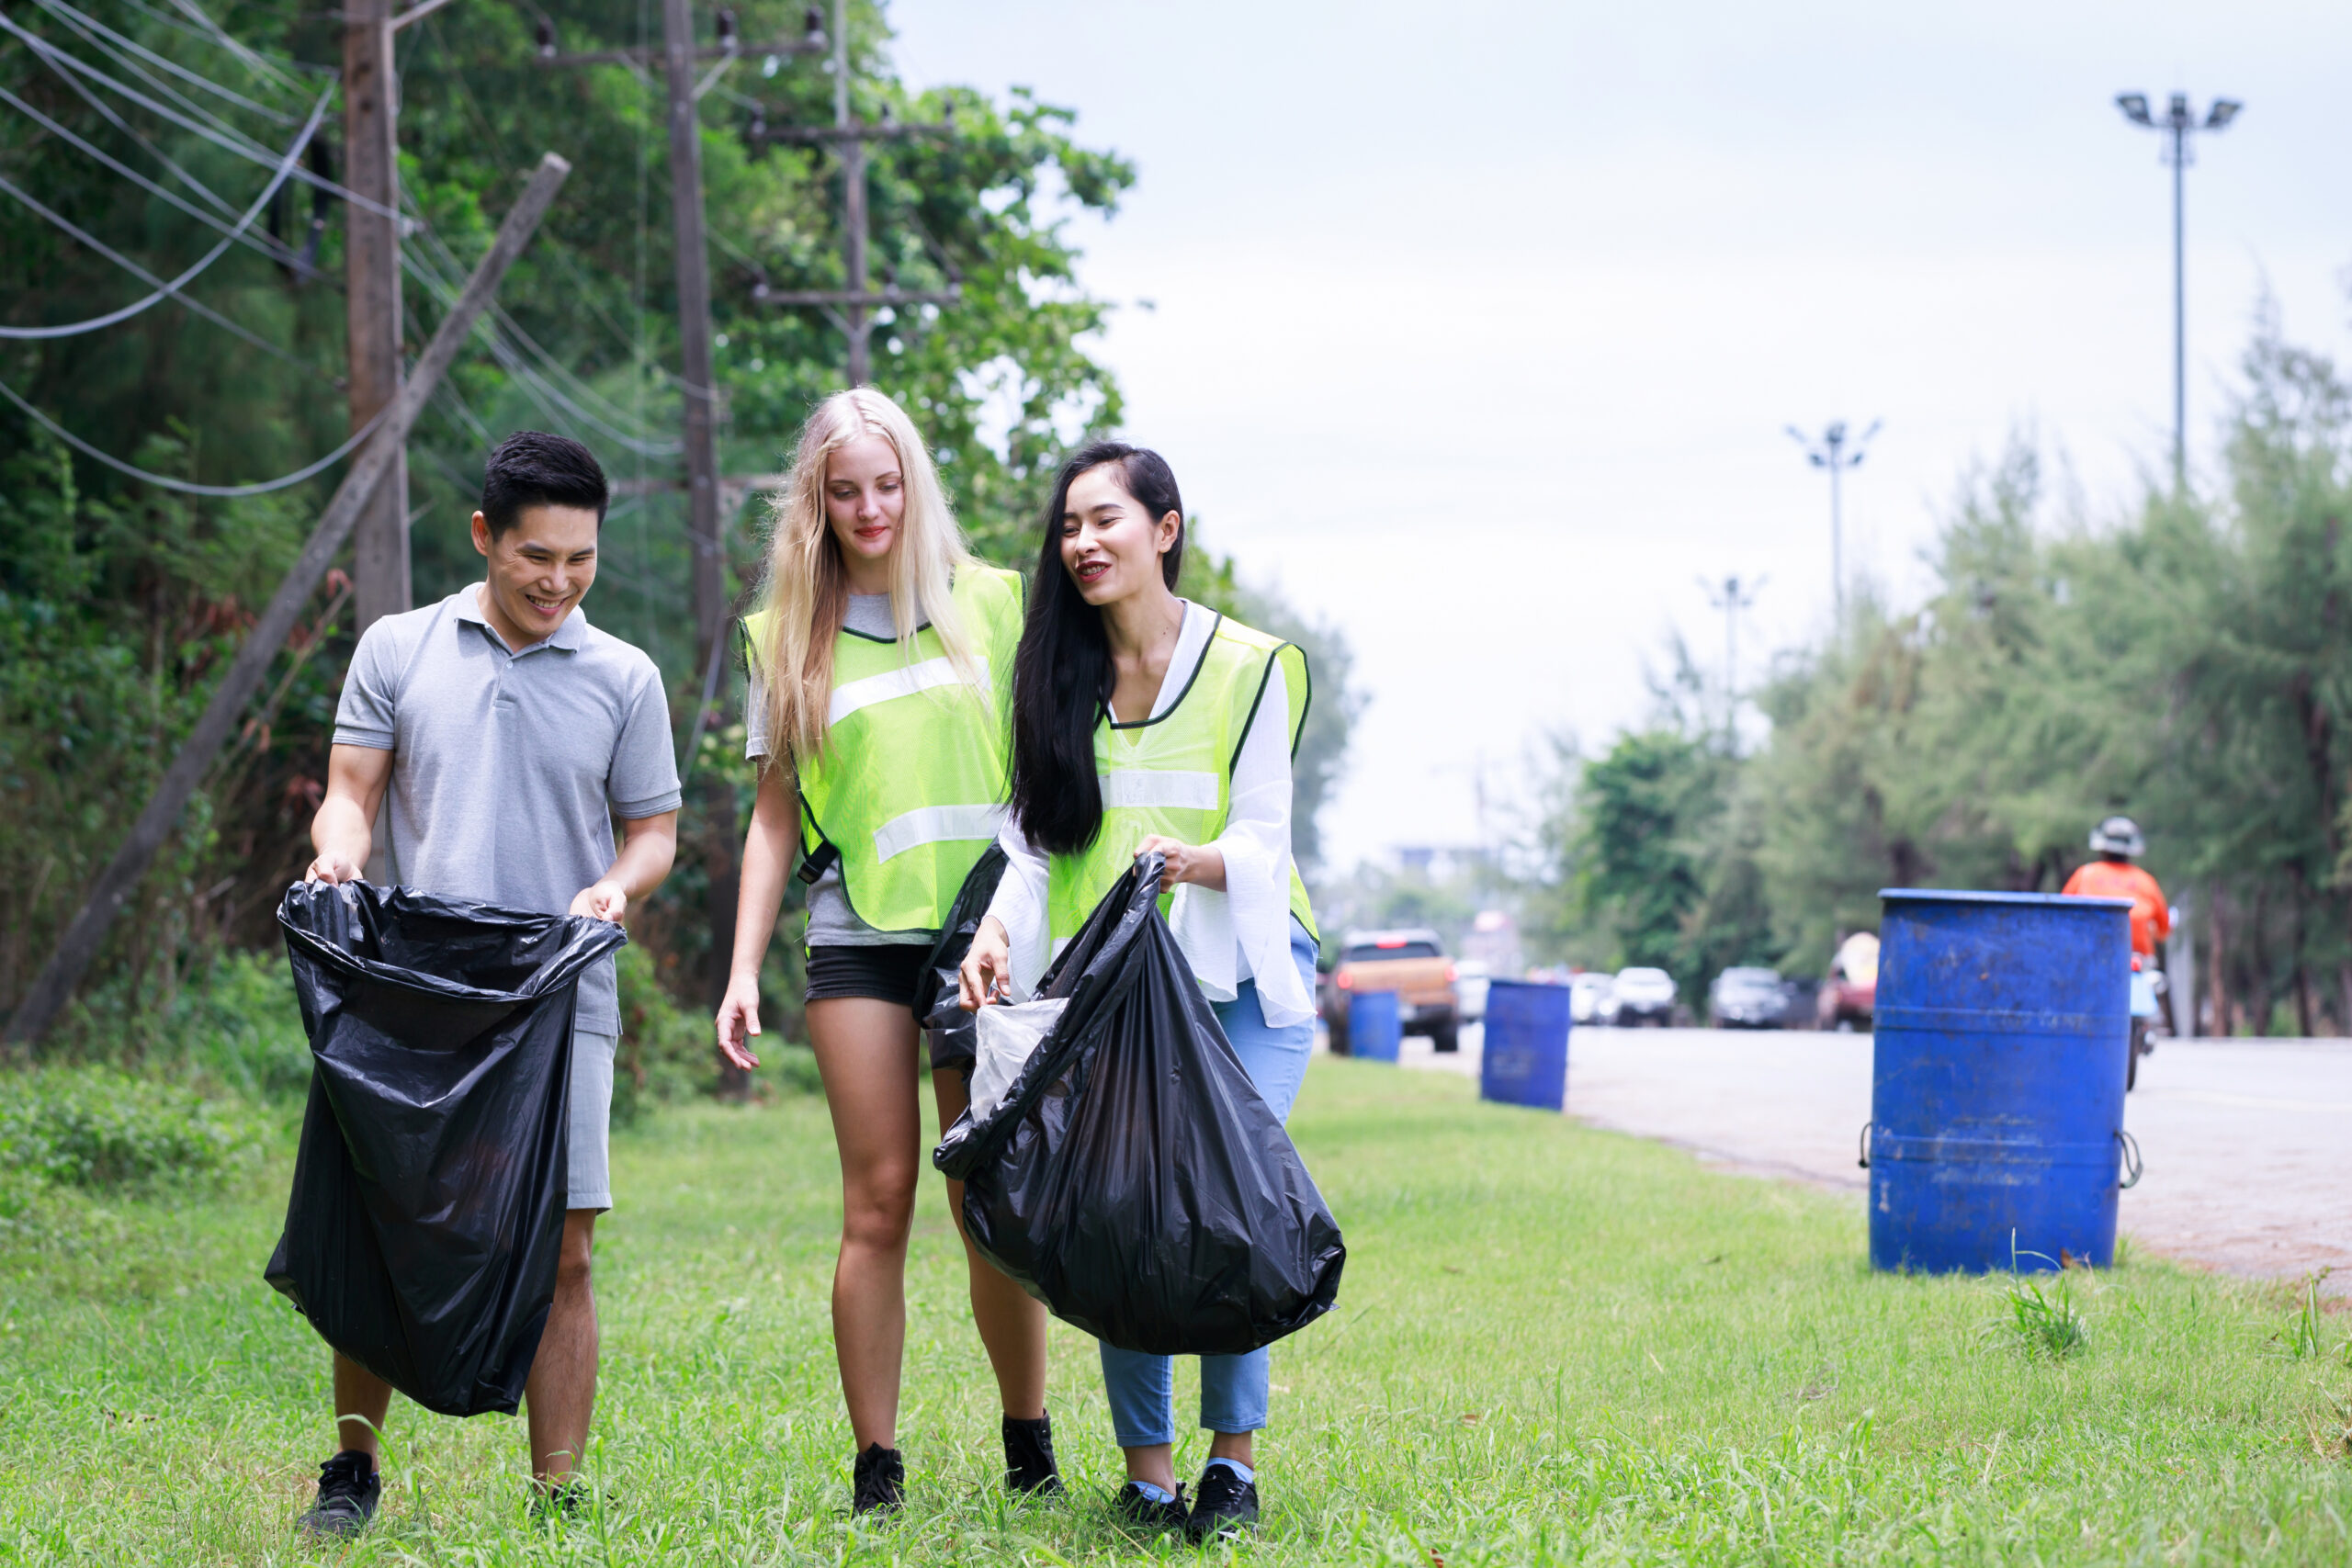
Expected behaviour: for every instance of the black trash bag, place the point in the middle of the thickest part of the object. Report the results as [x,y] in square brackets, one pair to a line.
[953,1031]
[1132,1178]
[426,1219]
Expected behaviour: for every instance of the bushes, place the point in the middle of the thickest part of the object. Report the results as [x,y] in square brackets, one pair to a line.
[666,1052]
[89,1127]
[231,1025]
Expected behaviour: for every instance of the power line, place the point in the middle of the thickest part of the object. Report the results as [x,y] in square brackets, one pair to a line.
[551,398]
[185,488]
[254,60]
[107,112]
[86,25]
[162,289]
[234,141]
[167,290]
[269,245]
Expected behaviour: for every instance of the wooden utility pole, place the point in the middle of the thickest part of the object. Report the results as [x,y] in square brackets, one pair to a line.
[693,328]
[698,383]
[722,874]
[377,460]
[372,288]
[859,328]
[854,300]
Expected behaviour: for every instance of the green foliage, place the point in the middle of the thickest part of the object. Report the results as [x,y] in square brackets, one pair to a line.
[2189,664]
[2042,1323]
[120,604]
[92,1128]
[115,616]
[231,1025]
[666,1052]
[2307,1336]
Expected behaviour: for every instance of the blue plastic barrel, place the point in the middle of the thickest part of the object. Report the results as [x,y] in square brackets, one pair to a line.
[2003,1030]
[1524,1060]
[1373,1032]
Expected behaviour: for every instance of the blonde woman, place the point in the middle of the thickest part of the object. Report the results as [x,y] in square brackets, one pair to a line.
[881,667]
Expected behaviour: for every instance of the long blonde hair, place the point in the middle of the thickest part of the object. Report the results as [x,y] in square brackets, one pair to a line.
[806,592]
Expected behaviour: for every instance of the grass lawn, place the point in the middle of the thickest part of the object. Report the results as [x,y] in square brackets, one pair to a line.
[1553,1345]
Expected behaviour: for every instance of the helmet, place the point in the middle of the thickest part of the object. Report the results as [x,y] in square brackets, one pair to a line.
[2117,836]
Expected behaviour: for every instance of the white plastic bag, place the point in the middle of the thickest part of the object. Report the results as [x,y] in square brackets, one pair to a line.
[1008,1031]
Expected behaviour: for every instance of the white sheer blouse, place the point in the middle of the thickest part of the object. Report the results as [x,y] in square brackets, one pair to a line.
[1241,933]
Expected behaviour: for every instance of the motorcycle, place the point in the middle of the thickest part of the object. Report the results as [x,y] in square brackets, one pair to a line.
[2148,988]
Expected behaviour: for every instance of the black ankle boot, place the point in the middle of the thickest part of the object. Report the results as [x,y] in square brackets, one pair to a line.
[1029,1456]
[879,1481]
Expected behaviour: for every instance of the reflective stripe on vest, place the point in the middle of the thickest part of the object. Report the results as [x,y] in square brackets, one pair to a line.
[911,785]
[1138,789]
[905,682]
[1172,774]
[936,825]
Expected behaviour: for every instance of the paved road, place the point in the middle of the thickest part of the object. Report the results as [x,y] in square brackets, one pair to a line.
[2248,1144]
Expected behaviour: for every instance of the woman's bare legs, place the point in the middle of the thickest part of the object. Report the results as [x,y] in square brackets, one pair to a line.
[866,1052]
[1012,1322]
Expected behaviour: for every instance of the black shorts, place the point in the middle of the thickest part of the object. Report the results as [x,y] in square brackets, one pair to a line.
[887,972]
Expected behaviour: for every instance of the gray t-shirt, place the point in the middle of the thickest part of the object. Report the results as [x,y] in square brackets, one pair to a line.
[831,922]
[509,768]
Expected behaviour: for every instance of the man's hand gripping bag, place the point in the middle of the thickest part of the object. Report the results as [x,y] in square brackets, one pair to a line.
[1132,1178]
[426,1219]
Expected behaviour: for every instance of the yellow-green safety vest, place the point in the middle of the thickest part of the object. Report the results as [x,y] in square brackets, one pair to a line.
[1172,775]
[911,783]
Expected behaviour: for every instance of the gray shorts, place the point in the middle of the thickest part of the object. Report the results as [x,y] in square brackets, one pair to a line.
[591,1120]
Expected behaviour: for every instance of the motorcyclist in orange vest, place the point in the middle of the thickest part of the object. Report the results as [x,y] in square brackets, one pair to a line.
[2112,875]
[2117,841]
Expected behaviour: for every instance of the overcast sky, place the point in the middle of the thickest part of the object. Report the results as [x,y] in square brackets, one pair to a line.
[1477,326]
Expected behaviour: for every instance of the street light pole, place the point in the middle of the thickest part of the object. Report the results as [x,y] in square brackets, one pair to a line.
[1830,453]
[2178,126]
[1731,599]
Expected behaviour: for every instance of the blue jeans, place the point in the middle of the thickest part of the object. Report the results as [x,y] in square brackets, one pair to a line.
[1233,1388]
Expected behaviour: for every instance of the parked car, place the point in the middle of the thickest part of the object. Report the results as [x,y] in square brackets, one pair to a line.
[1748,999]
[1850,994]
[1589,996]
[1641,995]
[1470,978]
[1410,963]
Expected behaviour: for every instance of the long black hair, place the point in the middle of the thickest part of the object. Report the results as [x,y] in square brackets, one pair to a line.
[1062,677]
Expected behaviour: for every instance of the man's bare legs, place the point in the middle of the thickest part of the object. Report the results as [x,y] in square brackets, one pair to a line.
[1012,1322]
[359,1393]
[866,1052]
[561,1392]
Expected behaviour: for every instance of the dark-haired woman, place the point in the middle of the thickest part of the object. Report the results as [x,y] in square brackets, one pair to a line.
[1143,722]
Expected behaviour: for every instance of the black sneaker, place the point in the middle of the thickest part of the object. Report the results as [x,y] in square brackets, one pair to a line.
[1029,1457]
[561,1503]
[1224,1505]
[1136,1507]
[879,1484]
[348,1487]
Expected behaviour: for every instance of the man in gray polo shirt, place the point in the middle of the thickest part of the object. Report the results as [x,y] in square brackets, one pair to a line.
[503,734]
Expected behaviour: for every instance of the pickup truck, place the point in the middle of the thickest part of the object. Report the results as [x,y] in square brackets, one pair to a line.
[1410,963]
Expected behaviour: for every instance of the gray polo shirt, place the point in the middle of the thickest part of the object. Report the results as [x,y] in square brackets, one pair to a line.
[509,768]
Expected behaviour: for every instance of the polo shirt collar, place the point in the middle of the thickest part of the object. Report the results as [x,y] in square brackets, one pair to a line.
[571,637]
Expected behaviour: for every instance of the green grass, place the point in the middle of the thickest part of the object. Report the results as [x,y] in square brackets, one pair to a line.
[1554,1345]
